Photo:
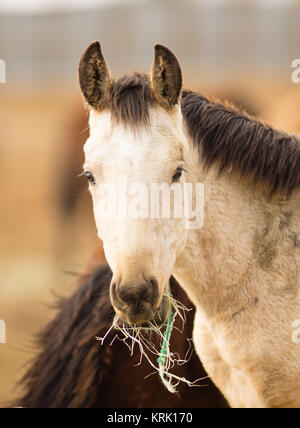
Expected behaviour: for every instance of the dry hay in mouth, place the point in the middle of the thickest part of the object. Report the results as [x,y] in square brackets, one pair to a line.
[135,335]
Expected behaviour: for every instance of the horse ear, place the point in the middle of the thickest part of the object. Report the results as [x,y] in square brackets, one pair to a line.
[94,77]
[166,77]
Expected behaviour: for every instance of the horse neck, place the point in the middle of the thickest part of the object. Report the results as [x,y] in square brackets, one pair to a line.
[219,258]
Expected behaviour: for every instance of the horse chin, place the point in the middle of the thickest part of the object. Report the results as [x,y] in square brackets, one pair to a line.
[156,319]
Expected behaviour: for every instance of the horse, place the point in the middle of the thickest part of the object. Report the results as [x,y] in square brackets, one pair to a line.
[72,369]
[240,268]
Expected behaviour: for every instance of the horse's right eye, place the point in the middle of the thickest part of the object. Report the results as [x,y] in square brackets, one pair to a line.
[90,177]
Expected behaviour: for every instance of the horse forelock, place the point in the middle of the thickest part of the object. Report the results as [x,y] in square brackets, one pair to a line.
[130,100]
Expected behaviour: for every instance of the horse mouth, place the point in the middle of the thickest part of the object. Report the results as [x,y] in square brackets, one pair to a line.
[147,319]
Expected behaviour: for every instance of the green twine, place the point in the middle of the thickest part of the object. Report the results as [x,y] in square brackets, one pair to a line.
[162,359]
[164,349]
[165,359]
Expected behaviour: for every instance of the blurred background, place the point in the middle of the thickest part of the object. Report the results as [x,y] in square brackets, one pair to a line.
[231,49]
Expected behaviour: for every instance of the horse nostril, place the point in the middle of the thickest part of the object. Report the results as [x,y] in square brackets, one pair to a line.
[113,289]
[155,290]
[115,293]
[145,292]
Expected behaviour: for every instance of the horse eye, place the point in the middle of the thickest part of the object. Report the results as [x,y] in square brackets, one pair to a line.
[90,177]
[177,175]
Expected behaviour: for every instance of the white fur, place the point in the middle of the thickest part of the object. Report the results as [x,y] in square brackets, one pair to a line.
[149,156]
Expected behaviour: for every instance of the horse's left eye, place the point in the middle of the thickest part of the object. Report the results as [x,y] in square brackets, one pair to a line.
[177,175]
[90,177]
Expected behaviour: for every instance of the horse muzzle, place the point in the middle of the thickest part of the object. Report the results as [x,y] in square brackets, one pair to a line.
[137,304]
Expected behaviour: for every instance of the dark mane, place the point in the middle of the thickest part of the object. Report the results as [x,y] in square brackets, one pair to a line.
[239,143]
[130,99]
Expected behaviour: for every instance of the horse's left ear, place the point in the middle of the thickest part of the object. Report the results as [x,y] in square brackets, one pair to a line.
[166,77]
[94,77]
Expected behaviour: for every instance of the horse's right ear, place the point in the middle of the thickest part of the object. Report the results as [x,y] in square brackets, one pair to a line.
[94,77]
[166,77]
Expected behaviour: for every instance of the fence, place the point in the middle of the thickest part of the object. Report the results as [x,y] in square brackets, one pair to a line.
[208,35]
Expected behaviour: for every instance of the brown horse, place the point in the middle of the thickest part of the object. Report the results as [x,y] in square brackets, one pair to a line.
[72,369]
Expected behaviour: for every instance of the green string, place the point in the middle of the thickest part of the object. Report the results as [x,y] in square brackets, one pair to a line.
[164,349]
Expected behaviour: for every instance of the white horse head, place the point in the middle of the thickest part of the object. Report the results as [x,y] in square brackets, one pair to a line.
[136,133]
